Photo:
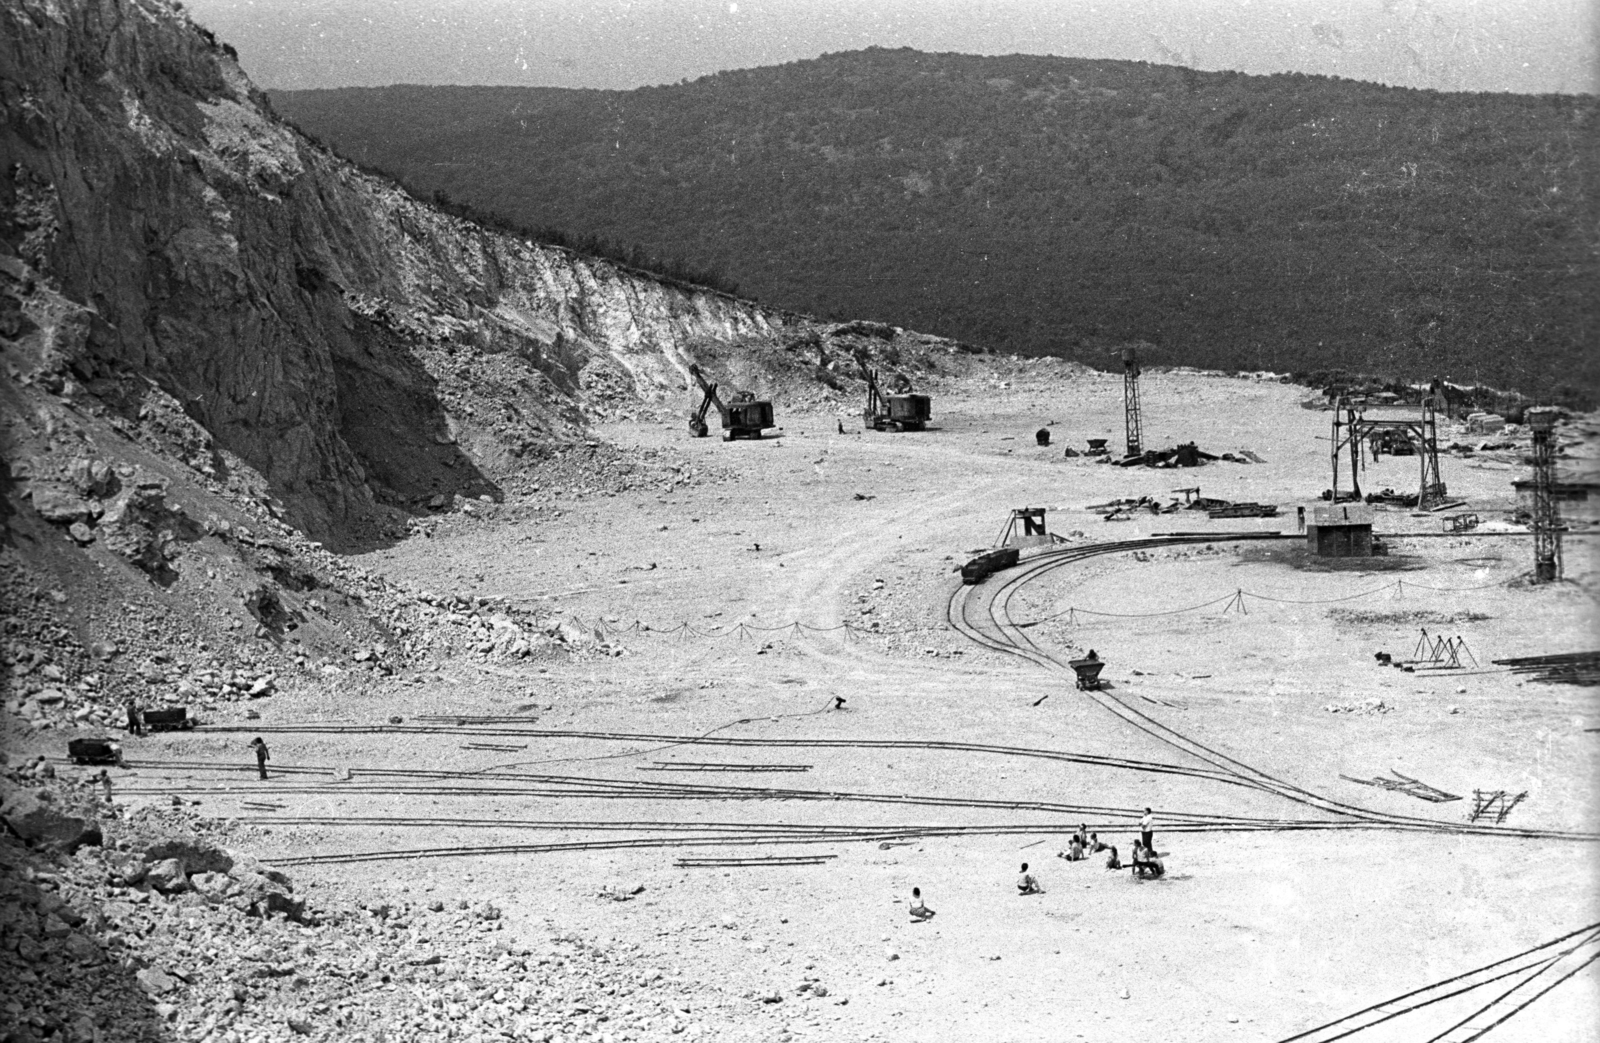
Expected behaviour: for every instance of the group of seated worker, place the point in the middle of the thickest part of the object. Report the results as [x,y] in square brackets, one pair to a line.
[1146,864]
[1082,845]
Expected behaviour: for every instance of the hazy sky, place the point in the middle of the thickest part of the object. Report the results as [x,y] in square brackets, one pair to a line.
[1496,45]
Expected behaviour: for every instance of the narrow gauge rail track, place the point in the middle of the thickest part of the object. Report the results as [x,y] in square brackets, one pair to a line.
[660,740]
[980,613]
[753,837]
[583,787]
[1560,958]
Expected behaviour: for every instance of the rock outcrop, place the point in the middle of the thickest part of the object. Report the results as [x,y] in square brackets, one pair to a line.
[353,345]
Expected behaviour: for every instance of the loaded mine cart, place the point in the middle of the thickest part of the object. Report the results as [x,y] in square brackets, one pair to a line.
[898,412]
[988,563]
[176,719]
[744,417]
[93,751]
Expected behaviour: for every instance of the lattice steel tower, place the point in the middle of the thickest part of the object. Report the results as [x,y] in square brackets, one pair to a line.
[1546,511]
[1130,402]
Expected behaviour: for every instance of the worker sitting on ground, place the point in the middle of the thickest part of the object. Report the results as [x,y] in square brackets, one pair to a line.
[1146,866]
[1082,835]
[1113,862]
[1027,883]
[919,911]
[1095,846]
[1074,851]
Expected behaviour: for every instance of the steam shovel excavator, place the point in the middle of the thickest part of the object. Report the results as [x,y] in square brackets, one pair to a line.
[744,417]
[901,412]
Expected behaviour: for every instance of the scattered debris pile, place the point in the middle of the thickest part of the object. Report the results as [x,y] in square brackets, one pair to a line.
[1187,454]
[1581,668]
[1407,785]
[1366,707]
[1124,509]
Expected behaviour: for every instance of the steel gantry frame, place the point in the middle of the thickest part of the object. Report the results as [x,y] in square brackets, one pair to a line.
[1353,427]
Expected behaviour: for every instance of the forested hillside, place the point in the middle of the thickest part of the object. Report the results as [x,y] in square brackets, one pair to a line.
[1039,204]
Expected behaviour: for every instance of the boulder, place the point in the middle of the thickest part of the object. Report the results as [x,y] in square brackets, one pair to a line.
[197,856]
[60,503]
[37,821]
[214,886]
[156,982]
[248,864]
[168,876]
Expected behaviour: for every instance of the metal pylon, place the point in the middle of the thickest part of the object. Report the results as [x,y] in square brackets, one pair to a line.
[1134,422]
[1546,511]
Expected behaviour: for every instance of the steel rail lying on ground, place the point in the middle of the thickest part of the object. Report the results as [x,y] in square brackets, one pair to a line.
[1530,962]
[1096,760]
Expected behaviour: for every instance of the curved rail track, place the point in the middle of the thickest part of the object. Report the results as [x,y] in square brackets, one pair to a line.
[980,613]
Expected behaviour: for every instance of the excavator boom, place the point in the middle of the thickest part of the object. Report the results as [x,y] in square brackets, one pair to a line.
[906,412]
[745,418]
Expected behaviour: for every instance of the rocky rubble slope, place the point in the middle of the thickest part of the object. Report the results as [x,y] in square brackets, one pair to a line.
[351,344]
[148,926]
[171,249]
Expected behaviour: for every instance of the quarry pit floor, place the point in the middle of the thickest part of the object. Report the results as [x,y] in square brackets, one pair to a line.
[824,568]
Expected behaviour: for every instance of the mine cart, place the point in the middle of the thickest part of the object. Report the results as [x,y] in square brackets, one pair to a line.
[174,720]
[1088,671]
[987,564]
[92,751]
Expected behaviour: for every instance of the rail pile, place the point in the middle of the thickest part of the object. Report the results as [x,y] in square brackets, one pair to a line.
[1407,785]
[1562,668]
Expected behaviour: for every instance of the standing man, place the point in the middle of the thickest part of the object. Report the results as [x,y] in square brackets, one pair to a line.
[1146,826]
[134,727]
[261,755]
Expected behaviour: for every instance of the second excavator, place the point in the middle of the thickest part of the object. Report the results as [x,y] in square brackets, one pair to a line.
[902,411]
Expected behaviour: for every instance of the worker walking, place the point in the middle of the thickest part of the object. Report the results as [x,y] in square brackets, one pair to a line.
[261,755]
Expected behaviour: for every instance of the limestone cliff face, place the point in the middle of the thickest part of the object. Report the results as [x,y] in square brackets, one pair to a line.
[350,343]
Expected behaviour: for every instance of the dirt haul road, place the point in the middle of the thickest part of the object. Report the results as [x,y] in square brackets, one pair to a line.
[739,609]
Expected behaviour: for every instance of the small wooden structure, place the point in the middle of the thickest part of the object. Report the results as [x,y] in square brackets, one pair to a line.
[1025,528]
[1340,531]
